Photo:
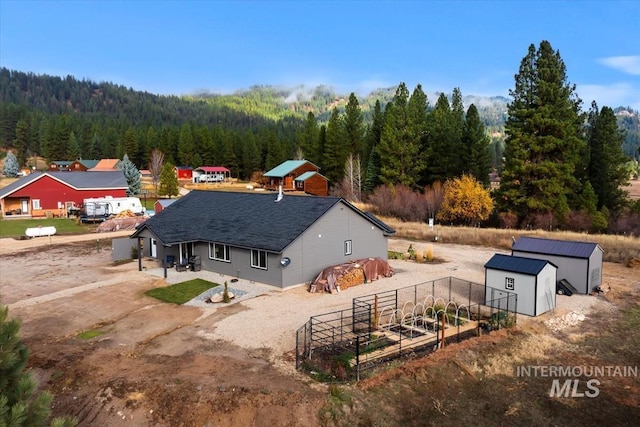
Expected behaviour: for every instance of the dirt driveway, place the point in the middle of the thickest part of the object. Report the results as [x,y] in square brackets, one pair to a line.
[158,364]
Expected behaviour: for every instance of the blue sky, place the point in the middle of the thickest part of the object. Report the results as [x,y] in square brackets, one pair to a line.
[180,47]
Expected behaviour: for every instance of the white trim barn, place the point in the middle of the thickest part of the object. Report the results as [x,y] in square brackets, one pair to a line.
[532,280]
[580,263]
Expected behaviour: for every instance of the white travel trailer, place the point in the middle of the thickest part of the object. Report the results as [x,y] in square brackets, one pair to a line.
[104,207]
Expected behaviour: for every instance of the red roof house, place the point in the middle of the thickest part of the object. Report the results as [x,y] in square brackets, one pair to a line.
[211,174]
[54,193]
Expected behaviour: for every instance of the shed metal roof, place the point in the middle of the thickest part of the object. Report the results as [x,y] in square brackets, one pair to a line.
[245,220]
[516,264]
[212,169]
[555,247]
[285,168]
[305,176]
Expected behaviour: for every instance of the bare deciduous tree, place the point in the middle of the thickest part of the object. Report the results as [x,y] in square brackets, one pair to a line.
[353,178]
[156,160]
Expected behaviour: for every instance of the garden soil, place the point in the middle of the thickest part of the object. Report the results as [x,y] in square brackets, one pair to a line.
[113,356]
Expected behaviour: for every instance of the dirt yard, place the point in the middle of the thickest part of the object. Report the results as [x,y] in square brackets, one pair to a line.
[151,363]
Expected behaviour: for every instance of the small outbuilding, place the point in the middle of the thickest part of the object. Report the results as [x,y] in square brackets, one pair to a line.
[161,204]
[579,263]
[533,281]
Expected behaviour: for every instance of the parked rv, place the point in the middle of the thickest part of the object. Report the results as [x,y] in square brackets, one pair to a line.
[99,209]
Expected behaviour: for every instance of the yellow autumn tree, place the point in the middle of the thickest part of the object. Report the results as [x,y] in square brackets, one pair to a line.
[465,201]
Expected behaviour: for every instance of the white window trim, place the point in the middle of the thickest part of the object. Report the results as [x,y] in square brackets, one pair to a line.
[226,251]
[35,203]
[253,265]
[348,247]
[509,283]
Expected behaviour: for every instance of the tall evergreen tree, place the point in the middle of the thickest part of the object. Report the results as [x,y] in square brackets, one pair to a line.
[132,175]
[73,148]
[186,146]
[443,143]
[10,167]
[543,138]
[398,149]
[336,148]
[250,156]
[354,126]
[168,181]
[22,141]
[417,122]
[372,157]
[20,404]
[606,167]
[309,139]
[475,152]
[130,144]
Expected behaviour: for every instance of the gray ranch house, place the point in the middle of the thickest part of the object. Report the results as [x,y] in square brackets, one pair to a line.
[282,242]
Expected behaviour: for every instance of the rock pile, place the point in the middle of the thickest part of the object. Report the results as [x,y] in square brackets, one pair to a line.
[557,324]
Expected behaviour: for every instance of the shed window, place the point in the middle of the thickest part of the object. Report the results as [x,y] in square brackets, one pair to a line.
[219,252]
[36,204]
[509,283]
[258,259]
[347,247]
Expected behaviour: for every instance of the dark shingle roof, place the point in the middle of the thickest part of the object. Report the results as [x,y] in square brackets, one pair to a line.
[240,219]
[78,180]
[555,247]
[516,264]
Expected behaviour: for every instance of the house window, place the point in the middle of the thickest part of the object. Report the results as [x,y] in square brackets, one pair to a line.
[219,252]
[258,259]
[347,247]
[36,204]
[509,283]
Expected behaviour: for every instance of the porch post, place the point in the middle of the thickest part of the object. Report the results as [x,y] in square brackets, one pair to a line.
[139,254]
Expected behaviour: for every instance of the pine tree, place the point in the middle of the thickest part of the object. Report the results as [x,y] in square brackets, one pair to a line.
[10,168]
[475,151]
[399,151]
[443,143]
[309,139]
[130,143]
[606,168]
[132,175]
[22,141]
[20,405]
[168,181]
[336,148]
[372,158]
[186,146]
[73,148]
[543,138]
[353,126]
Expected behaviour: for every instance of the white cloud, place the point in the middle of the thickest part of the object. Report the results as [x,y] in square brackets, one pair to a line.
[626,64]
[614,95]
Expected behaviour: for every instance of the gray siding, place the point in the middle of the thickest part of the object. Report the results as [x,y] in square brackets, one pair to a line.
[536,294]
[524,286]
[320,246]
[595,269]
[545,290]
[575,270]
[323,244]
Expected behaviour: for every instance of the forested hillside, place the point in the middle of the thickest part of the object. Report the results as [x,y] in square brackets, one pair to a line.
[391,138]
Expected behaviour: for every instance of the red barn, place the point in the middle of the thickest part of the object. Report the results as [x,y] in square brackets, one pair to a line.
[184,172]
[54,193]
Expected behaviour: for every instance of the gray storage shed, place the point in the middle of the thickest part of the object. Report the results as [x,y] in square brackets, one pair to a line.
[532,280]
[580,263]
